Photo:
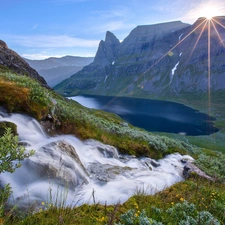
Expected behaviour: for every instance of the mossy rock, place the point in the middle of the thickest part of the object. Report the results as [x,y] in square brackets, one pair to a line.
[4,125]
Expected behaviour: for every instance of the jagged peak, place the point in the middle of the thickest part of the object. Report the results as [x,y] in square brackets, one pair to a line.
[111,38]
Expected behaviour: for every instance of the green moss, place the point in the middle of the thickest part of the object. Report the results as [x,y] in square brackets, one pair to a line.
[5,125]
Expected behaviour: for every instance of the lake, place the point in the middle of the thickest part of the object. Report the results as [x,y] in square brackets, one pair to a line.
[153,115]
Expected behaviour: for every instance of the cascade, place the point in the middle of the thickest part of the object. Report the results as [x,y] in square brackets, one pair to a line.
[65,169]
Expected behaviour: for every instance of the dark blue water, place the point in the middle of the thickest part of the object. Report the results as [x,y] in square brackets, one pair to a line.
[154,115]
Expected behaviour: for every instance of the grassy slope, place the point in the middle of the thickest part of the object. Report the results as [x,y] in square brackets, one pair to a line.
[21,94]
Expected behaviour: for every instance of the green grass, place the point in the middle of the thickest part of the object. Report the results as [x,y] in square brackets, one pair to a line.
[187,198]
[21,94]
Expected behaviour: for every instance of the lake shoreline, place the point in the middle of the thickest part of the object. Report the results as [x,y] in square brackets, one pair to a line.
[129,105]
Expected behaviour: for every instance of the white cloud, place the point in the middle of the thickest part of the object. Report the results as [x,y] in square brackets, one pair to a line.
[47,41]
[117,19]
[112,26]
[39,56]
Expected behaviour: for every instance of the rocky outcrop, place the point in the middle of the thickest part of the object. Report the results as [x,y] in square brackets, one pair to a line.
[156,61]
[58,161]
[191,168]
[11,60]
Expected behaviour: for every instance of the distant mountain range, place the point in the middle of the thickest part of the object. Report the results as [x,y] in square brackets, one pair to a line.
[54,70]
[156,60]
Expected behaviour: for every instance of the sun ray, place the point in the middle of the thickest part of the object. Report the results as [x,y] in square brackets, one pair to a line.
[203,28]
[217,32]
[209,66]
[218,23]
[175,46]
[180,41]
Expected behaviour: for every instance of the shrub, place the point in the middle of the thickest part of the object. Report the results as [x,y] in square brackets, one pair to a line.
[10,150]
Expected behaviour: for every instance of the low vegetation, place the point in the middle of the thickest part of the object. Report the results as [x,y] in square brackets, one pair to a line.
[10,152]
[193,201]
[22,94]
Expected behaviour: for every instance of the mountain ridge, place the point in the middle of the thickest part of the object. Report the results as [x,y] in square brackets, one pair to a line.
[153,61]
[56,69]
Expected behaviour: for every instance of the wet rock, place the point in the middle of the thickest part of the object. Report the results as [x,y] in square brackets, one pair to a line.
[63,166]
[107,150]
[190,167]
[105,172]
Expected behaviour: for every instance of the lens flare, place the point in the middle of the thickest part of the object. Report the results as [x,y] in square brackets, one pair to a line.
[209,10]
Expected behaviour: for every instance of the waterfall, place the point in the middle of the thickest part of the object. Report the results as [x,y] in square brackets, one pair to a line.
[82,172]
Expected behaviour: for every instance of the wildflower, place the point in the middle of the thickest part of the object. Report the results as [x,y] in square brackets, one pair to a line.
[181,199]
[43,203]
[136,205]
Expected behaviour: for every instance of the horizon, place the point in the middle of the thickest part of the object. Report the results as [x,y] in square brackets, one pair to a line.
[57,28]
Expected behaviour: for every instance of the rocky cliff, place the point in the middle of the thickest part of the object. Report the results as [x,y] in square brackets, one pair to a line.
[156,60]
[11,60]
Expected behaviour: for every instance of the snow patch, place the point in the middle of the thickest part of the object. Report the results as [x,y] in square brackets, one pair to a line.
[113,62]
[180,36]
[174,68]
[105,78]
[172,72]
[180,54]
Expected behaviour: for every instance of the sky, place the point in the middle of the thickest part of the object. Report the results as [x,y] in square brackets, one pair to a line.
[39,29]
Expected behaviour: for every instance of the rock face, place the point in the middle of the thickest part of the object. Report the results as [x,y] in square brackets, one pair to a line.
[13,61]
[155,60]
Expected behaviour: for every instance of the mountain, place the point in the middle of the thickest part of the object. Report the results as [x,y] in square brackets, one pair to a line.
[11,60]
[54,70]
[154,61]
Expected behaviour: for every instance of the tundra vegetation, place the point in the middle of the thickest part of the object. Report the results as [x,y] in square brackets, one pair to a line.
[193,201]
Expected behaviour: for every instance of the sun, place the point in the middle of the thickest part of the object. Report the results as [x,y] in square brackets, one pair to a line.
[209,11]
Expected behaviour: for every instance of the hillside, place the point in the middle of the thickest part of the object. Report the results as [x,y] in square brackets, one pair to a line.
[11,60]
[196,198]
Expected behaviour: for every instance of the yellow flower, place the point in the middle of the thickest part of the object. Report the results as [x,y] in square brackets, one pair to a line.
[181,199]
[136,205]
[172,203]
[43,203]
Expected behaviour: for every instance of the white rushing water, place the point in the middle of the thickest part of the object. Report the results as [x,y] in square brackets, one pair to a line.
[76,172]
